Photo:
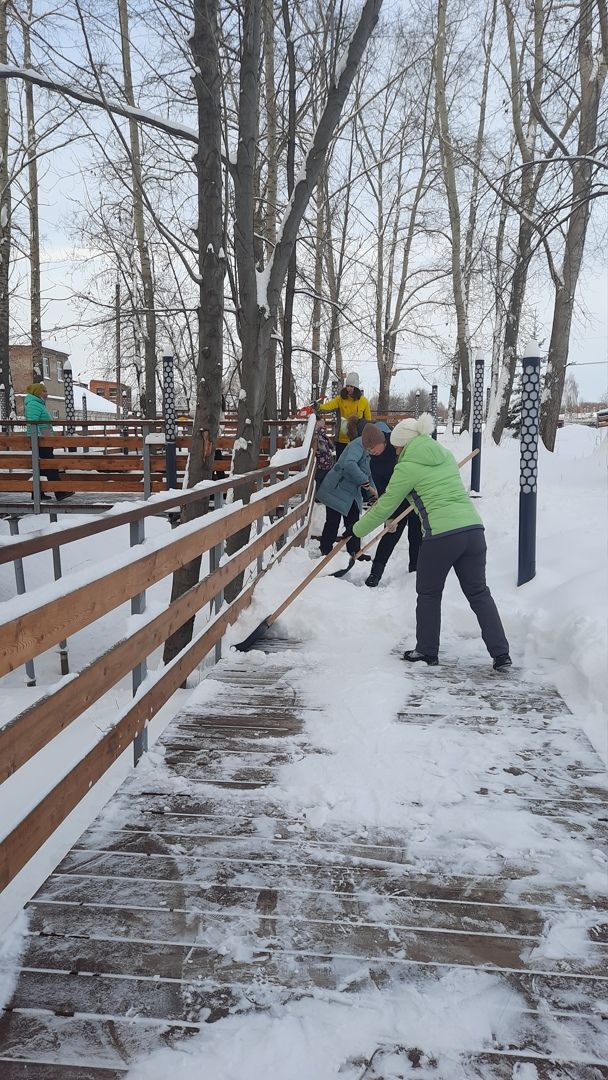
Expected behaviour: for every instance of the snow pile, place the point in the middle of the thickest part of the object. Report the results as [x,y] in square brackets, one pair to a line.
[315,1039]
[11,946]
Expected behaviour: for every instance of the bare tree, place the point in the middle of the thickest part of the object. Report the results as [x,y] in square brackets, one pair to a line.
[592,65]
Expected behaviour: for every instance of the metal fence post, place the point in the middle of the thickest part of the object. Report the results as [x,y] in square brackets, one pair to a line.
[528,463]
[64,662]
[139,672]
[477,423]
[434,407]
[35,468]
[273,436]
[147,462]
[215,557]
[169,414]
[417,405]
[259,526]
[13,524]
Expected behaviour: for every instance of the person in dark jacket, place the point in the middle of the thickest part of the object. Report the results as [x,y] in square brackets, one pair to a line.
[341,490]
[324,454]
[453,536]
[382,466]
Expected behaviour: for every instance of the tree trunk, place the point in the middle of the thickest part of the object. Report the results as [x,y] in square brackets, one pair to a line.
[270,98]
[139,224]
[449,175]
[290,285]
[592,77]
[211,260]
[315,370]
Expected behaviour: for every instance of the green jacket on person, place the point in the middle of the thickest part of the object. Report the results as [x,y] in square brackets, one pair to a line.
[427,474]
[35,409]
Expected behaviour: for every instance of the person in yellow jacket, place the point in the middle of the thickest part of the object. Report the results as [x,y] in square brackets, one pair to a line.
[350,403]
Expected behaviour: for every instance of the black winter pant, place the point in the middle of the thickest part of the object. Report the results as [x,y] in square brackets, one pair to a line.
[389,541]
[47,452]
[466,552]
[332,524]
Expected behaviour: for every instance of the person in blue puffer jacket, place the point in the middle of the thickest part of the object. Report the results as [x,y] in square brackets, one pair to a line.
[341,490]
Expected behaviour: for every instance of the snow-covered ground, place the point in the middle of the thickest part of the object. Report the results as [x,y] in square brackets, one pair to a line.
[558,633]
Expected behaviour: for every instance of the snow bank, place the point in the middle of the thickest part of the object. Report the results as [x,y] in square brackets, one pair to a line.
[11,947]
[316,1039]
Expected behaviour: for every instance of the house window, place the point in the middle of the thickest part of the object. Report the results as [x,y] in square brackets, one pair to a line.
[59,371]
[46,367]
[99,391]
[112,391]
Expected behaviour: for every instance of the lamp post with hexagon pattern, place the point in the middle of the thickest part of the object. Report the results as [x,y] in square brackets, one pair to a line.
[528,463]
[477,423]
[170,419]
[434,408]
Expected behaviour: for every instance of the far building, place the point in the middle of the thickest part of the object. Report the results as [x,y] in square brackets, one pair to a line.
[20,361]
[107,389]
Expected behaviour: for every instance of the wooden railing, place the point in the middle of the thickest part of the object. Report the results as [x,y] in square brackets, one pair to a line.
[128,457]
[24,636]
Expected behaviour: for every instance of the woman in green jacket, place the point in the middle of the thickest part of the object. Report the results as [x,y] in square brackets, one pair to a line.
[34,408]
[452,536]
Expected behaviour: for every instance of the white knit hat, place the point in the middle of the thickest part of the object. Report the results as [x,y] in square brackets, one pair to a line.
[352,379]
[406,430]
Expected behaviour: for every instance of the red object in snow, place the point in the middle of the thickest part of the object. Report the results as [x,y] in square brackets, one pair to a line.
[307,410]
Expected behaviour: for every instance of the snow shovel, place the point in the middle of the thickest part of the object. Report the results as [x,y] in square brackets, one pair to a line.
[260,630]
[387,528]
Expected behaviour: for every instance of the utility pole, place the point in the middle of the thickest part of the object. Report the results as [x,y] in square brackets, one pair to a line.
[118,373]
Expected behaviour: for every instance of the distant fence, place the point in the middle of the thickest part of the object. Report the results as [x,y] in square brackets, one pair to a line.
[279,511]
[108,458]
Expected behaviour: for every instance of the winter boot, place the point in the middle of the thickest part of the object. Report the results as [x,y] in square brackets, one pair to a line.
[413,656]
[374,577]
[501,663]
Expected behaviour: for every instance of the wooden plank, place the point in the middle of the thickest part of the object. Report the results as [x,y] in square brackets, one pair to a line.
[15,442]
[291,971]
[97,462]
[103,442]
[32,729]
[110,1043]
[38,1070]
[424,944]
[15,461]
[297,904]
[267,873]
[36,631]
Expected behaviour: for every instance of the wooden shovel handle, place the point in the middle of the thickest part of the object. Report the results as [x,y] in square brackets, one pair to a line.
[402,515]
[309,577]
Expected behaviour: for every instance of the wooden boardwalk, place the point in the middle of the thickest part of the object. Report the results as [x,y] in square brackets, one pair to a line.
[197,894]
